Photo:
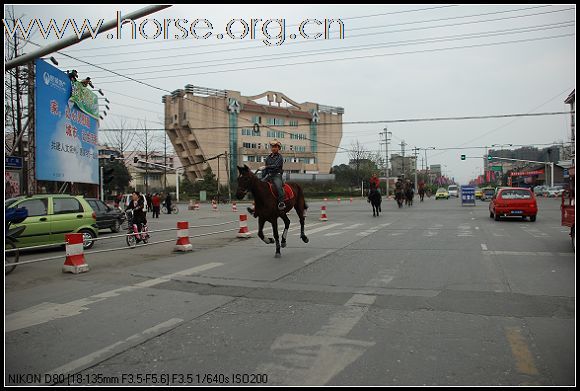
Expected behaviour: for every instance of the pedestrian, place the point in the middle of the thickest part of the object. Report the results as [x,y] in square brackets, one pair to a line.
[168,203]
[149,203]
[156,201]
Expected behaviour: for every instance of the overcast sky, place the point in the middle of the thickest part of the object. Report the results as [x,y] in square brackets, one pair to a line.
[410,78]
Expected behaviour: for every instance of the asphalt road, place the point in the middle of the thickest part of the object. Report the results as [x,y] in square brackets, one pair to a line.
[434,294]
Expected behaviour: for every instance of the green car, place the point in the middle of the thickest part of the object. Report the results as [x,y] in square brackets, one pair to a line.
[51,216]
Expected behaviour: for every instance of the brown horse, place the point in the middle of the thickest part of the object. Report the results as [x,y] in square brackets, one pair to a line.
[267,206]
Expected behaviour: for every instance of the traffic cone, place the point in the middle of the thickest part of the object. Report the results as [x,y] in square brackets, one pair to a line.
[183,237]
[323,213]
[244,232]
[196,206]
[214,206]
[326,199]
[75,256]
[234,207]
[351,200]
[339,200]
[190,207]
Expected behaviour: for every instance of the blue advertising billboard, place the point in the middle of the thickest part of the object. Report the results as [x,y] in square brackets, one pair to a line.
[66,137]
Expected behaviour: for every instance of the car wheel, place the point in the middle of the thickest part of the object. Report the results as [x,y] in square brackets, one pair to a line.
[533,218]
[496,217]
[88,235]
[116,227]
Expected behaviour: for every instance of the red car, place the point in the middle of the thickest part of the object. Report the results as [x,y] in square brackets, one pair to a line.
[513,201]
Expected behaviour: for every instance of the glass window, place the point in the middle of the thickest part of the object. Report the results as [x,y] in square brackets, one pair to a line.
[66,205]
[37,207]
[95,205]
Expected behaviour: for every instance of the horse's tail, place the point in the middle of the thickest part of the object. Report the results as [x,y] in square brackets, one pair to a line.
[301,196]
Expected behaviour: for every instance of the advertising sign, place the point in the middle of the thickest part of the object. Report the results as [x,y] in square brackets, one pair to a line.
[66,136]
[467,195]
[12,183]
[13,162]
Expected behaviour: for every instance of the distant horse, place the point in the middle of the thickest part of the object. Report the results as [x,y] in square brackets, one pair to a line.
[267,206]
[409,194]
[375,200]
[399,197]
[421,193]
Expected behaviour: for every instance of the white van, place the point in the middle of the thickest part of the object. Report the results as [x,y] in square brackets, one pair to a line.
[453,191]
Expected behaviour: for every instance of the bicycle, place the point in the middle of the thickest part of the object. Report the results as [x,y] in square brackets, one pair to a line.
[11,252]
[133,234]
[174,209]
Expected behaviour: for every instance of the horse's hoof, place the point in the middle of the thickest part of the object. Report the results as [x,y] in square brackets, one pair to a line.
[305,239]
[283,244]
[270,240]
[278,255]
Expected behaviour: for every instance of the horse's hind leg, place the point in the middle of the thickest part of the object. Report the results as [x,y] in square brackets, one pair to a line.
[300,207]
[286,226]
[261,222]
[276,238]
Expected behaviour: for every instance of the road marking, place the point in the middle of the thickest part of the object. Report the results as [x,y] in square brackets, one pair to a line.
[529,253]
[476,227]
[46,312]
[111,350]
[335,233]
[353,226]
[316,359]
[268,228]
[323,228]
[521,352]
[483,247]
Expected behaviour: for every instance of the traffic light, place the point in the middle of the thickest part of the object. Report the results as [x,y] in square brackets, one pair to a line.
[489,157]
[462,157]
[108,175]
[135,159]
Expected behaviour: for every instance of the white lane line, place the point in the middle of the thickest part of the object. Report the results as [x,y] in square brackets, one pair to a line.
[476,227]
[268,227]
[46,312]
[335,233]
[353,226]
[109,351]
[483,247]
[323,228]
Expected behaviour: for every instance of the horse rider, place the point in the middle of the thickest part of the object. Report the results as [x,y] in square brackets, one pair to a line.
[373,185]
[272,172]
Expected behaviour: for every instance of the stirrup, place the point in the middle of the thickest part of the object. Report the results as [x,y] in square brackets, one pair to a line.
[281,205]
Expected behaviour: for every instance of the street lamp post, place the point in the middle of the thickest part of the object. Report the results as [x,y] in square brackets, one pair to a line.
[386,133]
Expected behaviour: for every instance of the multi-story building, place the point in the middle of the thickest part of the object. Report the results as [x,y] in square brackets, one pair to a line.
[402,165]
[203,123]
[152,177]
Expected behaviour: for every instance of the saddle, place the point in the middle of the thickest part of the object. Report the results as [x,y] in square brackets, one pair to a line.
[288,192]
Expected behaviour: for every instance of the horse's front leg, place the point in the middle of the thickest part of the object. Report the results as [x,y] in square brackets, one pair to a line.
[276,238]
[286,226]
[261,222]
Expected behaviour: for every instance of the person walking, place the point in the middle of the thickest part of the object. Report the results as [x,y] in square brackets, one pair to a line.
[168,203]
[156,201]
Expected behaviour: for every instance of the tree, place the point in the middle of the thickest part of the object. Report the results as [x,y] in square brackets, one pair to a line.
[121,138]
[357,154]
[121,176]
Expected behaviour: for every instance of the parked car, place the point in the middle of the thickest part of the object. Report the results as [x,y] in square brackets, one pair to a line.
[442,193]
[126,200]
[512,202]
[107,217]
[51,216]
[487,193]
[555,191]
[478,193]
[453,190]
[539,190]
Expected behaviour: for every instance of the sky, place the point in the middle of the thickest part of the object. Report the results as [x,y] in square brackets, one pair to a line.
[418,61]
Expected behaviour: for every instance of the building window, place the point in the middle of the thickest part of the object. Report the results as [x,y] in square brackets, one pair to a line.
[293,123]
[251,158]
[256,119]
[184,115]
[275,121]
[247,145]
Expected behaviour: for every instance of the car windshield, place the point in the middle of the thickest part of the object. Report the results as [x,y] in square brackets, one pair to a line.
[452,187]
[441,190]
[516,194]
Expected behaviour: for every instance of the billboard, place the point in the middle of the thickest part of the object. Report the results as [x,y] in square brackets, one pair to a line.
[11,183]
[66,136]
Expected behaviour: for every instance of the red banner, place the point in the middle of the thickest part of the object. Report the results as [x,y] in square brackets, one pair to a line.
[527,173]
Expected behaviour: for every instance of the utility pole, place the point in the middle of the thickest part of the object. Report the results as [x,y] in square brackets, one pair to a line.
[229,179]
[29,169]
[386,133]
[403,154]
[415,153]
[165,161]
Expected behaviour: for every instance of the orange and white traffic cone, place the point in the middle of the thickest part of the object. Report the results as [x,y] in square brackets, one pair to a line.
[190,207]
[183,237]
[214,206]
[244,232]
[196,206]
[339,200]
[326,199]
[234,207]
[351,200]
[75,256]
[323,213]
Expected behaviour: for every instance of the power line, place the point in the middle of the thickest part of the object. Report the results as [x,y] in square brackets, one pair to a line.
[368,34]
[229,43]
[353,58]
[421,41]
